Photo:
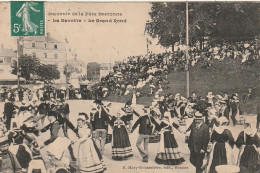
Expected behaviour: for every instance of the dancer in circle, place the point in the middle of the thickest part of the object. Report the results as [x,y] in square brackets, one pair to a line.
[168,152]
[222,148]
[89,156]
[248,142]
[121,146]
[198,141]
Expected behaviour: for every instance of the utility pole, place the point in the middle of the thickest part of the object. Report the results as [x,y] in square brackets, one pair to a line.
[17,56]
[18,70]
[187,49]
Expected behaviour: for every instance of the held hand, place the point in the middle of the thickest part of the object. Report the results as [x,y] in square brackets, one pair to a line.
[202,151]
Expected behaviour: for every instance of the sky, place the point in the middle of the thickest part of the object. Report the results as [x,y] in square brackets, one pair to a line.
[92,41]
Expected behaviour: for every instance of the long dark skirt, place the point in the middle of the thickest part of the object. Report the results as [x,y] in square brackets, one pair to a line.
[170,154]
[121,148]
[249,158]
[22,155]
[219,156]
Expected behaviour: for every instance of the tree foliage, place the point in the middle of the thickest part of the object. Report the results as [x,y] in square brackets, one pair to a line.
[216,20]
[69,69]
[48,72]
[28,66]
[167,22]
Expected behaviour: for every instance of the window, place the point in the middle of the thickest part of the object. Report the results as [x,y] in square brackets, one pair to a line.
[45,45]
[33,44]
[1,60]
[55,46]
[56,56]
[45,55]
[1,70]
[34,54]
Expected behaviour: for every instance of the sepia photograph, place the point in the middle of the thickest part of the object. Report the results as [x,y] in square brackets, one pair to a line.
[130,87]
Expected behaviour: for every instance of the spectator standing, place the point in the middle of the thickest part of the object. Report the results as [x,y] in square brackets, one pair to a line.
[198,141]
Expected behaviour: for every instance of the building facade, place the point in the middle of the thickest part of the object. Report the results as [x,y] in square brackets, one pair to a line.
[47,50]
[7,58]
[105,69]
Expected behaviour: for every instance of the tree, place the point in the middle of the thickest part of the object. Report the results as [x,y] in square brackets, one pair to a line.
[48,72]
[167,22]
[236,21]
[69,69]
[223,21]
[28,66]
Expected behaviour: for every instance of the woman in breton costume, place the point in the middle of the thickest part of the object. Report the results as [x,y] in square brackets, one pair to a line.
[248,142]
[121,146]
[222,148]
[24,114]
[89,157]
[21,153]
[168,152]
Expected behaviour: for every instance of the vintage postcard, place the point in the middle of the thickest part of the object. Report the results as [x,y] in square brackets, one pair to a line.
[129,87]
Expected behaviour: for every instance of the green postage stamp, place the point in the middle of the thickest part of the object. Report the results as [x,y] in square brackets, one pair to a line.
[27,18]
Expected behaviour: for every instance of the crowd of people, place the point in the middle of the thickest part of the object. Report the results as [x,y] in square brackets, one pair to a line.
[210,140]
[135,73]
[31,112]
[19,93]
[153,69]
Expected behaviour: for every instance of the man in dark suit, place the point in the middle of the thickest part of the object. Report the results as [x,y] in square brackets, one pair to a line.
[198,141]
[100,123]
[9,110]
[234,105]
[258,116]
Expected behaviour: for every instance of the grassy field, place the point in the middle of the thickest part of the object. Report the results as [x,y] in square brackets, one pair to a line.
[225,76]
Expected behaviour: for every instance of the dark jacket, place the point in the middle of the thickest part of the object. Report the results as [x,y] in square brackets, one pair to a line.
[225,112]
[145,127]
[199,138]
[9,109]
[54,131]
[102,121]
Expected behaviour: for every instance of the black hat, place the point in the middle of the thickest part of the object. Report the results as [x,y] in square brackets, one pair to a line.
[84,114]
